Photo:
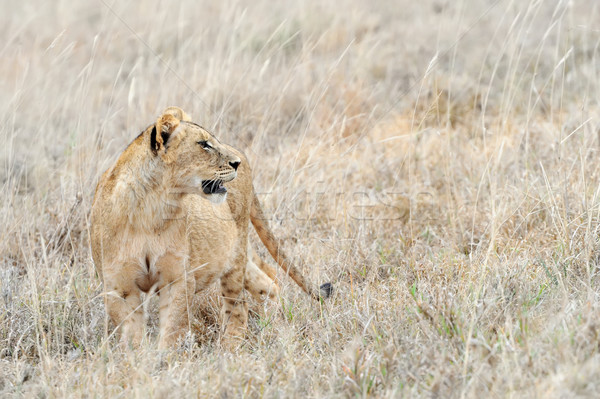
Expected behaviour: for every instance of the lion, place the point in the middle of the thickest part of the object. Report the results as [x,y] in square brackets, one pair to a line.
[172,215]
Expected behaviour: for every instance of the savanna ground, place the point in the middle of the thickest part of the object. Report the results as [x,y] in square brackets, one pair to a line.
[436,160]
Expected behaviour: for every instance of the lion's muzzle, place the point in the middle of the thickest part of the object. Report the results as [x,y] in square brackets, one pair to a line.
[213,187]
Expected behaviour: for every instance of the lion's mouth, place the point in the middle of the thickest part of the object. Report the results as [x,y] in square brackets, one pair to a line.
[213,187]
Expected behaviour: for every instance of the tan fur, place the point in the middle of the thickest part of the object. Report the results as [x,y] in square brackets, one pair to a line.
[153,227]
[260,278]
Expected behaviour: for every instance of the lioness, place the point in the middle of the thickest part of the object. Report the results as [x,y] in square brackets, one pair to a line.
[172,214]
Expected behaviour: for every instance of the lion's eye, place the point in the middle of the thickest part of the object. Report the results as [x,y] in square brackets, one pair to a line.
[205,144]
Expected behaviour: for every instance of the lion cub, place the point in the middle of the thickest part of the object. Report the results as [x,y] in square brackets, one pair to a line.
[172,214]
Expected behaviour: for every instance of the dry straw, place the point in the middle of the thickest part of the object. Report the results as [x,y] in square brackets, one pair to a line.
[437,160]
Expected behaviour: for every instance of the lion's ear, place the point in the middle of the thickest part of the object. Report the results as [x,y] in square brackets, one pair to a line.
[163,131]
[177,113]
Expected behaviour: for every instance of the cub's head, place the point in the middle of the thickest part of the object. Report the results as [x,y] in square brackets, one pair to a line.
[195,159]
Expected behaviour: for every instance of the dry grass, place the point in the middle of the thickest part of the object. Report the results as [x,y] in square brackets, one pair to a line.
[437,160]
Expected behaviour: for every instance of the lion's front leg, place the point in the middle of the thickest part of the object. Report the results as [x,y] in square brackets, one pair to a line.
[175,298]
[175,301]
[123,303]
[234,313]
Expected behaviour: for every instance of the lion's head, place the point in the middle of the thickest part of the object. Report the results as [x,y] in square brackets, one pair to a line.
[196,160]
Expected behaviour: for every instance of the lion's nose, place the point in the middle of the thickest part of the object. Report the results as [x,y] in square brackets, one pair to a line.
[234,164]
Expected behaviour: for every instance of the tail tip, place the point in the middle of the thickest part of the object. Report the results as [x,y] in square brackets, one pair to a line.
[326,290]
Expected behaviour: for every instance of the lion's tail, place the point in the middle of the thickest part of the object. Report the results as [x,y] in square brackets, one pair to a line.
[268,239]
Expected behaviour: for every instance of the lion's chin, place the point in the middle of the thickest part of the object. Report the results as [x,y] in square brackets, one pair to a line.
[217,198]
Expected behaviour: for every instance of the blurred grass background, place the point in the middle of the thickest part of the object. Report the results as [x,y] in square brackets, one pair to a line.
[436,160]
